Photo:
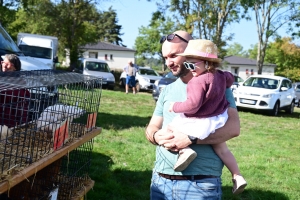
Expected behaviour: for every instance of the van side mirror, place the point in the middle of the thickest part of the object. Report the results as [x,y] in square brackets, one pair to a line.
[55,59]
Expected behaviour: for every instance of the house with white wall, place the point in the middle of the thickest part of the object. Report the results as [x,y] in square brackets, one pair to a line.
[245,67]
[116,56]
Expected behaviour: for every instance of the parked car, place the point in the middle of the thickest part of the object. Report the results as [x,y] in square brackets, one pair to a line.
[145,78]
[98,68]
[237,81]
[296,86]
[159,85]
[170,78]
[267,93]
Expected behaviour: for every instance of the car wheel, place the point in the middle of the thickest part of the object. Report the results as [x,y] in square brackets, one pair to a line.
[275,110]
[291,107]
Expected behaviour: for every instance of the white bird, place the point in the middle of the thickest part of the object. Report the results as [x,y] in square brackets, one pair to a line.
[5,132]
[51,118]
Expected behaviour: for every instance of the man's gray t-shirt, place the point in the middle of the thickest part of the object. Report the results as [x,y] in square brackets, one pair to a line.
[207,161]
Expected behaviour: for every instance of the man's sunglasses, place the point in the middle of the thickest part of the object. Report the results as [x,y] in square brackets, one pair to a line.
[191,66]
[170,37]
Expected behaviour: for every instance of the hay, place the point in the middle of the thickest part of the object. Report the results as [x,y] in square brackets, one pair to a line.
[27,145]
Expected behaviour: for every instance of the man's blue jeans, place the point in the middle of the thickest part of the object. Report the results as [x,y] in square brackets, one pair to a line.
[165,189]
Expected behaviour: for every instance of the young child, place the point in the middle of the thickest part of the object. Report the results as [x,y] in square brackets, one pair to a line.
[205,108]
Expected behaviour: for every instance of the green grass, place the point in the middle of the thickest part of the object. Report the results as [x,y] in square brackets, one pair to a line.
[267,152]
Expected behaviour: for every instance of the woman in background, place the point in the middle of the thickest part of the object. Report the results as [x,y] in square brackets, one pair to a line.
[11,63]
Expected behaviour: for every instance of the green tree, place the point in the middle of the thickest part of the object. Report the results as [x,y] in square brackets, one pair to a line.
[147,43]
[252,52]
[108,28]
[37,18]
[206,19]
[8,9]
[283,53]
[270,15]
[286,55]
[236,49]
[75,23]
[78,28]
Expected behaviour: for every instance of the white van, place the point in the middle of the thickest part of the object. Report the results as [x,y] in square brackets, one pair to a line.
[41,47]
[98,68]
[8,46]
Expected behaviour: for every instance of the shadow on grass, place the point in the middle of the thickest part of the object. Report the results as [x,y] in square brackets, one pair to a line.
[251,194]
[282,113]
[119,184]
[117,122]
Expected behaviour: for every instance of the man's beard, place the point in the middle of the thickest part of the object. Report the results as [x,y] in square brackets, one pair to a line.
[182,72]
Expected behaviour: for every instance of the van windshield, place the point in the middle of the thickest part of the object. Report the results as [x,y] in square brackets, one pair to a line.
[37,52]
[97,66]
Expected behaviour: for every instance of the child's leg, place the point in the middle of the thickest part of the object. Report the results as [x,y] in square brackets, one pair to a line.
[227,157]
[239,183]
[186,156]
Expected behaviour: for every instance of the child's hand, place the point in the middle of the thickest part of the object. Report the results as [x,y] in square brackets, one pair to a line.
[171,107]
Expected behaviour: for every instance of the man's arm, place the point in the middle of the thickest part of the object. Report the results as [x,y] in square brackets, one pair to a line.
[155,134]
[153,127]
[230,130]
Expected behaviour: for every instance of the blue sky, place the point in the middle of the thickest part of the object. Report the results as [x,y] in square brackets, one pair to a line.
[132,14]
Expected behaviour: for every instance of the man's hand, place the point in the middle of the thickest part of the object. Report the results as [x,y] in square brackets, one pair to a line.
[163,138]
[179,141]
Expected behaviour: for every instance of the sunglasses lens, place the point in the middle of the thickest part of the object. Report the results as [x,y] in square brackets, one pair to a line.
[162,39]
[170,37]
[192,66]
[189,66]
[186,65]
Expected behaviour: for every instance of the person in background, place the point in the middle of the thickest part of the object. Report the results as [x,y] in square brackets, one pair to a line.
[14,103]
[202,178]
[11,63]
[130,70]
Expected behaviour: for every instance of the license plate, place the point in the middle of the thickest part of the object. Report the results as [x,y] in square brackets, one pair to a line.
[247,101]
[103,82]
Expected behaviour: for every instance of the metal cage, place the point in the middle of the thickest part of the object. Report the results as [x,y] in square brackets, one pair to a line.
[41,111]
[66,178]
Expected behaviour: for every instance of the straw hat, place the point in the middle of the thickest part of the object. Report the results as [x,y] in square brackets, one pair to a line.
[202,49]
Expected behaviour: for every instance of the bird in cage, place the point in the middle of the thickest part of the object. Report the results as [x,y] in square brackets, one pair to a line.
[52,117]
[5,132]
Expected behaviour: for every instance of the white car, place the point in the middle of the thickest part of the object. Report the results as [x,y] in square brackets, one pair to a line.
[237,81]
[145,78]
[98,68]
[266,92]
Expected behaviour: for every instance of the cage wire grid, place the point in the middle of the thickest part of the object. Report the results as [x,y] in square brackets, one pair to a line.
[41,111]
[68,176]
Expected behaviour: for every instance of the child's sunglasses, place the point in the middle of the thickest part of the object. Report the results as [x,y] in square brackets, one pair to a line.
[191,66]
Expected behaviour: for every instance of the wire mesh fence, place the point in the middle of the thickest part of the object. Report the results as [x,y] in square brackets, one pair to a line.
[64,179]
[41,111]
